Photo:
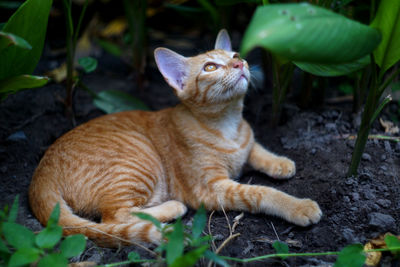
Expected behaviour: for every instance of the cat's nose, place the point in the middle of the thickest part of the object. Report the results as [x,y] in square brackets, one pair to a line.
[238,64]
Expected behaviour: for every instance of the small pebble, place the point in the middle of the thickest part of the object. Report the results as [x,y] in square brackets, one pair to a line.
[383,157]
[385,203]
[368,194]
[346,199]
[313,151]
[355,196]
[388,148]
[366,156]
[383,168]
[330,126]
[381,221]
[17,136]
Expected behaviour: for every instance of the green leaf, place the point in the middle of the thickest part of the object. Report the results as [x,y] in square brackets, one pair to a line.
[174,247]
[393,243]
[215,258]
[148,217]
[110,47]
[30,23]
[49,237]
[24,256]
[190,258]
[18,83]
[387,20]
[281,248]
[53,260]
[12,216]
[9,39]
[351,256]
[133,256]
[307,33]
[329,70]
[54,216]
[73,245]
[88,64]
[3,247]
[199,222]
[17,235]
[112,101]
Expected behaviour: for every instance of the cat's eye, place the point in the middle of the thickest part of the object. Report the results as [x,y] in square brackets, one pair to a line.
[210,67]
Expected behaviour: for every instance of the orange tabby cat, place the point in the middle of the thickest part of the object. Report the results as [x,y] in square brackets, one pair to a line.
[159,162]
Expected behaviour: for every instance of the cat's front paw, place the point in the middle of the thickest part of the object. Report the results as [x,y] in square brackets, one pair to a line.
[305,212]
[281,168]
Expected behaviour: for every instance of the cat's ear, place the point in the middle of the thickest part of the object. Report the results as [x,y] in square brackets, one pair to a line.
[223,41]
[172,66]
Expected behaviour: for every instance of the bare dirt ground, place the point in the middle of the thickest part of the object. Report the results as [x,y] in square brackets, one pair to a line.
[355,209]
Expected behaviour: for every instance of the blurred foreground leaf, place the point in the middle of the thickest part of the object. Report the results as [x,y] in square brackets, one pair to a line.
[351,256]
[9,39]
[30,23]
[88,64]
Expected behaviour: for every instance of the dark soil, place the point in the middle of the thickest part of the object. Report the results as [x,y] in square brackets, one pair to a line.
[355,209]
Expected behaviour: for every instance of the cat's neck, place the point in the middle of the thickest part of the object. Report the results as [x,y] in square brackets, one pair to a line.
[223,118]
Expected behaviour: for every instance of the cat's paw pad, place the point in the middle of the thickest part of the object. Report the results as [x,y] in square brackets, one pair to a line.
[306,212]
[282,168]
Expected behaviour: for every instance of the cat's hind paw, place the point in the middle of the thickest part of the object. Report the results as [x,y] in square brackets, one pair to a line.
[306,212]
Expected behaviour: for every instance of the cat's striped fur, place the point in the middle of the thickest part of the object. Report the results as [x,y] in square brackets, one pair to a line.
[161,162]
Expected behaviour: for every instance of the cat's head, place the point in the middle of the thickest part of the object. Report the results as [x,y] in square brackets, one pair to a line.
[217,76]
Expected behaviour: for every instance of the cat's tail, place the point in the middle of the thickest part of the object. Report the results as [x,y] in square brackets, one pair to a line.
[103,234]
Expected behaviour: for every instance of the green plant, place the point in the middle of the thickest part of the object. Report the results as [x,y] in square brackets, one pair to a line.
[21,44]
[181,245]
[387,20]
[19,246]
[71,40]
[316,40]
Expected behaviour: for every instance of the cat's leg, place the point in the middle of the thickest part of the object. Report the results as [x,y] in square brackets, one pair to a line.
[271,164]
[221,191]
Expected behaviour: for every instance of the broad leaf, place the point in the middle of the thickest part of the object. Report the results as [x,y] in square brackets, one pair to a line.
[3,247]
[190,258]
[387,20]
[88,64]
[73,245]
[17,235]
[329,70]
[351,256]
[307,33]
[30,23]
[12,216]
[18,83]
[393,243]
[174,247]
[199,222]
[53,260]
[281,248]
[24,256]
[112,101]
[9,39]
[49,236]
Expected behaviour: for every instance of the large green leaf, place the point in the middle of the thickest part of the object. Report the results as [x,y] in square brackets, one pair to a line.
[28,22]
[334,69]
[21,82]
[17,235]
[49,237]
[8,39]
[190,258]
[73,245]
[308,34]
[24,256]
[387,20]
[53,260]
